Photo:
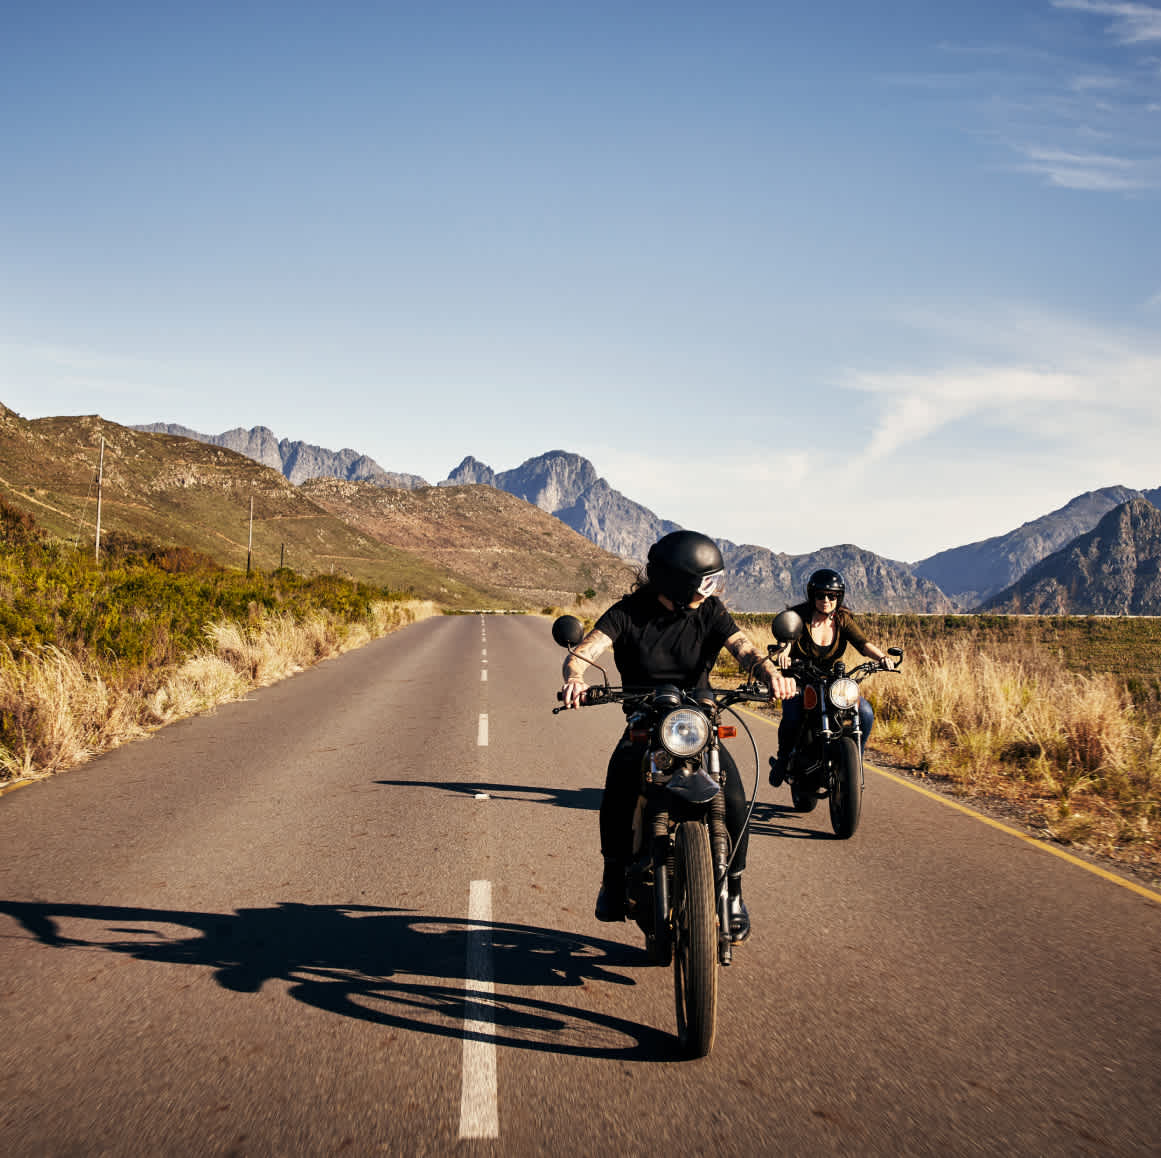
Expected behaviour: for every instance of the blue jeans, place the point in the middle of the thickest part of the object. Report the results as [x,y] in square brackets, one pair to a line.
[791,721]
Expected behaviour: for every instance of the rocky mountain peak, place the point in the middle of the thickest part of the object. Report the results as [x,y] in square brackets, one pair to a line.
[1114,569]
[471,472]
[551,481]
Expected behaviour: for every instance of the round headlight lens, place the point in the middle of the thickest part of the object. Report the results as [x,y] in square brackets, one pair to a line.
[684,732]
[844,693]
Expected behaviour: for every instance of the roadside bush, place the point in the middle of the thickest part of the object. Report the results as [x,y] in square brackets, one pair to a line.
[93,654]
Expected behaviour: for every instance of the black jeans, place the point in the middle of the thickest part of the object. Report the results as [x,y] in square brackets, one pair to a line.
[623,785]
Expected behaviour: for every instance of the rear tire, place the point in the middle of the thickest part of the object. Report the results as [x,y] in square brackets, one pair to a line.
[846,794]
[695,937]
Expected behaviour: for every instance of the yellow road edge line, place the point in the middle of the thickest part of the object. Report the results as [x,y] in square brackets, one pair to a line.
[17,784]
[1043,846]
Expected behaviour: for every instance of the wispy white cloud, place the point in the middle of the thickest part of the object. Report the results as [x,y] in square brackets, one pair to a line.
[1047,377]
[1131,23]
[914,406]
[1046,101]
[1091,171]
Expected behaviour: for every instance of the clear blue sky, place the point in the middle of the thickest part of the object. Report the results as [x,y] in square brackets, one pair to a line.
[793,274]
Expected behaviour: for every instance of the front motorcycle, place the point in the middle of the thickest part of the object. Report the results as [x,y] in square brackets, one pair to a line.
[827,758]
[676,884]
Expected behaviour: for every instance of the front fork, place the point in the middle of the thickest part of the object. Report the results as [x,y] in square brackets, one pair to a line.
[720,850]
[829,736]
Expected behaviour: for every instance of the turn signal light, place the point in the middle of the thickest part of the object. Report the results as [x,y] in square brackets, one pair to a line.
[726,731]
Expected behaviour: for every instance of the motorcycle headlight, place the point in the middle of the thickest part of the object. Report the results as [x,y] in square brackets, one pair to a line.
[844,693]
[684,732]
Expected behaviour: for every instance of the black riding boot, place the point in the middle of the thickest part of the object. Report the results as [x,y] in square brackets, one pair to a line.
[611,898]
[777,770]
[739,914]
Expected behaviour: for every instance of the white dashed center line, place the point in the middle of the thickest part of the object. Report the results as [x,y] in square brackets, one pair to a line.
[479,1113]
[482,734]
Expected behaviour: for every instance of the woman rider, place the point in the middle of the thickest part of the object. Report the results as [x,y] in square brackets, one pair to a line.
[829,629]
[667,630]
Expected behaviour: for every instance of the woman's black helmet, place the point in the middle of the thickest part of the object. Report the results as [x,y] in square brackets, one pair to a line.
[825,580]
[683,565]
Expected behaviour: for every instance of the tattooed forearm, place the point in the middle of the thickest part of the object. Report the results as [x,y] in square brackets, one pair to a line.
[587,651]
[747,655]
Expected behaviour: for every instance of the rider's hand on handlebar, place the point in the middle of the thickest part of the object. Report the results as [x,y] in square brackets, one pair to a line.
[572,694]
[781,687]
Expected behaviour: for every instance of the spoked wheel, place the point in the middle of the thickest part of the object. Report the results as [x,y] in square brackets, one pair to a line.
[695,937]
[846,794]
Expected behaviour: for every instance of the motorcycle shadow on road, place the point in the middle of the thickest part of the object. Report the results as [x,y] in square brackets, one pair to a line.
[586,799]
[770,820]
[392,967]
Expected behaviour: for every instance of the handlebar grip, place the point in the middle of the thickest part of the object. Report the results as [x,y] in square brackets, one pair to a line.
[584,699]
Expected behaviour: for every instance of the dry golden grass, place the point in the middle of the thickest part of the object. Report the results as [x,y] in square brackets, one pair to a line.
[65,712]
[1070,751]
[62,712]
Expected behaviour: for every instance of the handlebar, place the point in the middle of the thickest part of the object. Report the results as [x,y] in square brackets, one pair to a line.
[722,697]
[803,669]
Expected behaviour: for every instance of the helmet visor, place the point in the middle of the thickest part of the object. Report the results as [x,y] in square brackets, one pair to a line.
[712,583]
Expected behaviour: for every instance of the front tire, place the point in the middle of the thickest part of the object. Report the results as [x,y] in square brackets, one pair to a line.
[846,793]
[695,937]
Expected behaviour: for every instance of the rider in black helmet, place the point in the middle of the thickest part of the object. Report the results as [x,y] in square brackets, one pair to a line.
[830,628]
[667,630]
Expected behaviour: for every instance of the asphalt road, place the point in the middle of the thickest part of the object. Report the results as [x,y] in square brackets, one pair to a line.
[353,915]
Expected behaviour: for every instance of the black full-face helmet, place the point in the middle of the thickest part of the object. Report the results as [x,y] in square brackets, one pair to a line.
[683,565]
[823,582]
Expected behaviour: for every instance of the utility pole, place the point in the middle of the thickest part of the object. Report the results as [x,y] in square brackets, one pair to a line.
[250,540]
[100,480]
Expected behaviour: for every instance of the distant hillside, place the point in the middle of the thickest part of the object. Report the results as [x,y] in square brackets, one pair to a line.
[296,461]
[1115,569]
[483,534]
[177,491]
[973,573]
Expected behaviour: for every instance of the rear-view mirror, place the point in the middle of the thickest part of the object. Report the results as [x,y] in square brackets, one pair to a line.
[787,626]
[568,631]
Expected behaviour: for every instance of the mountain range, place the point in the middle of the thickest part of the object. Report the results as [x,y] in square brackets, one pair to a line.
[296,461]
[1052,561]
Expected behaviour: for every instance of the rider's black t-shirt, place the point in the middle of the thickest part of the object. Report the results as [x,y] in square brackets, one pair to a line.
[653,645]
